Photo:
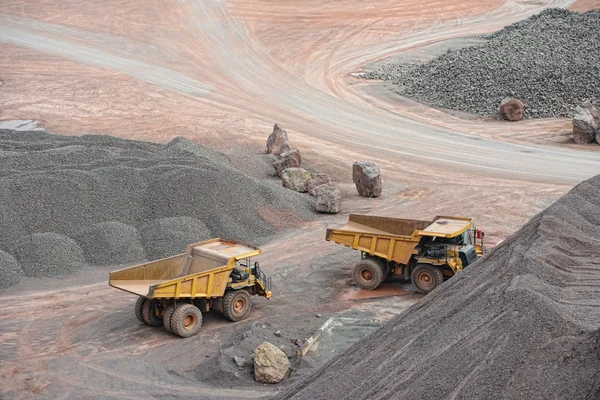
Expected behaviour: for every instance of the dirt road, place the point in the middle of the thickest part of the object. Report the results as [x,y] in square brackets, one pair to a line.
[221,72]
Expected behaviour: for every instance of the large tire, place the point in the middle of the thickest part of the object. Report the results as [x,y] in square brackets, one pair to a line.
[139,304]
[426,277]
[167,317]
[369,274]
[236,305]
[151,313]
[186,320]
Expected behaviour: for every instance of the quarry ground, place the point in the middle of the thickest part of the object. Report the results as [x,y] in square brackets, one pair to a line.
[221,73]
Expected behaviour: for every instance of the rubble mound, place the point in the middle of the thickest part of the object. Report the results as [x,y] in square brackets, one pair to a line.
[549,61]
[520,323]
[88,187]
[168,236]
[10,271]
[111,243]
[47,255]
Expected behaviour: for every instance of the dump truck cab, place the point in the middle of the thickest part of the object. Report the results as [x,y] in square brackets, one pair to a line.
[425,251]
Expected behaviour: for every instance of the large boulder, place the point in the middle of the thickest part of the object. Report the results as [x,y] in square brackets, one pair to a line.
[512,109]
[367,178]
[317,180]
[110,243]
[47,255]
[271,365]
[295,179]
[10,271]
[278,141]
[585,128]
[288,159]
[328,199]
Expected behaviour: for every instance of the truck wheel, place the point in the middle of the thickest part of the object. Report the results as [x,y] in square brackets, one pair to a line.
[186,320]
[151,313]
[167,317]
[426,277]
[369,274]
[236,305]
[139,304]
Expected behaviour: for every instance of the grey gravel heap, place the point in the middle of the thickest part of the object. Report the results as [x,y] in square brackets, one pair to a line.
[549,61]
[63,198]
[521,323]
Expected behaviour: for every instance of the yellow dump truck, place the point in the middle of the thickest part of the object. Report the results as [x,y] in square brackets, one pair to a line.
[424,251]
[175,291]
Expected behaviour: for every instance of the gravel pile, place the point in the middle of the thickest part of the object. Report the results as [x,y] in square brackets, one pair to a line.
[549,61]
[111,243]
[522,323]
[120,201]
[10,271]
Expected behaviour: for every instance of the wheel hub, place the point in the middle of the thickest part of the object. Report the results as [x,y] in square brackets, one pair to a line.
[189,321]
[239,305]
[366,275]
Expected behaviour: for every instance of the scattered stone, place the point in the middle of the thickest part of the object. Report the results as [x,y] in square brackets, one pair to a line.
[593,110]
[278,141]
[295,179]
[319,315]
[240,361]
[277,333]
[247,334]
[288,159]
[512,109]
[317,180]
[328,199]
[367,178]
[584,126]
[271,365]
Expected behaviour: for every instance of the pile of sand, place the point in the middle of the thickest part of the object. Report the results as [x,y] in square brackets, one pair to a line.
[523,323]
[66,201]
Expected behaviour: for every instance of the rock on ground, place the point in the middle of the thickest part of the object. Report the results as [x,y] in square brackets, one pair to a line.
[367,178]
[111,243]
[328,199]
[10,271]
[316,180]
[271,365]
[288,159]
[278,141]
[512,109]
[584,126]
[295,179]
[521,323]
[47,255]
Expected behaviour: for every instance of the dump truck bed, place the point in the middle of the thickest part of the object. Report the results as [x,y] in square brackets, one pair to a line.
[203,271]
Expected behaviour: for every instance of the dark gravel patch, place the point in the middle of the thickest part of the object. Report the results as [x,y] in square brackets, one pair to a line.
[522,323]
[47,254]
[549,61]
[10,271]
[111,243]
[115,196]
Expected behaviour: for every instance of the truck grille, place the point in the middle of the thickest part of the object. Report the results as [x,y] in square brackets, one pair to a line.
[468,255]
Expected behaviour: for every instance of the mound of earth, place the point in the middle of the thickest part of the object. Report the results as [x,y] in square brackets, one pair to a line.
[114,195]
[522,323]
[111,243]
[549,61]
[10,271]
[47,254]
